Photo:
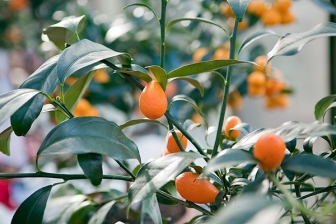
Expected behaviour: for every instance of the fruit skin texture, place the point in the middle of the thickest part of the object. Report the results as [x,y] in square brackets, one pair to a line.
[199,191]
[172,146]
[153,100]
[270,151]
[231,122]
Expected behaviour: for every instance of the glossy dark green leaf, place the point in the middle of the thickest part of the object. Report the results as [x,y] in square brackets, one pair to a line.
[288,131]
[255,187]
[137,71]
[256,36]
[13,100]
[160,75]
[193,82]
[141,121]
[82,214]
[228,157]
[150,207]
[202,20]
[292,43]
[65,32]
[5,136]
[153,175]
[86,53]
[239,8]
[308,144]
[91,164]
[100,216]
[89,135]
[311,164]
[243,209]
[291,145]
[143,5]
[43,79]
[192,103]
[326,5]
[74,94]
[200,67]
[322,106]
[32,209]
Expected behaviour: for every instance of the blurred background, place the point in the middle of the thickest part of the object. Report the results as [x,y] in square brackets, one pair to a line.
[303,79]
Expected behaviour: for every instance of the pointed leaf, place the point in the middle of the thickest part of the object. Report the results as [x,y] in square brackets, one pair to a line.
[255,36]
[91,164]
[13,100]
[99,216]
[192,103]
[140,121]
[150,207]
[311,164]
[229,157]
[65,32]
[5,140]
[82,213]
[160,75]
[193,82]
[323,105]
[200,67]
[89,135]
[202,20]
[243,209]
[83,54]
[239,8]
[292,43]
[32,209]
[143,5]
[153,175]
[43,79]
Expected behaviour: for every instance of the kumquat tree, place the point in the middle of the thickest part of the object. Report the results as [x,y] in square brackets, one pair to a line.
[267,175]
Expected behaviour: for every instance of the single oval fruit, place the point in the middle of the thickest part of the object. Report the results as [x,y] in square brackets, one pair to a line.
[153,100]
[231,122]
[199,191]
[270,151]
[172,145]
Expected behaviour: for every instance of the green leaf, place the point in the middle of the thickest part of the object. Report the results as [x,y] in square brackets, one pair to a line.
[200,67]
[202,20]
[65,32]
[187,99]
[137,71]
[150,207]
[255,36]
[311,164]
[153,175]
[193,82]
[91,164]
[229,157]
[144,5]
[43,79]
[82,135]
[292,43]
[140,121]
[242,209]
[32,209]
[288,131]
[13,100]
[160,75]
[239,8]
[86,53]
[82,214]
[74,94]
[5,140]
[99,216]
[323,105]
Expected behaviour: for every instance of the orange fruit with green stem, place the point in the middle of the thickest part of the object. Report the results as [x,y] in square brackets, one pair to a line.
[172,145]
[230,123]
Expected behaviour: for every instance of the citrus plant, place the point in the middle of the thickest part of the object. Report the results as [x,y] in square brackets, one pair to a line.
[246,171]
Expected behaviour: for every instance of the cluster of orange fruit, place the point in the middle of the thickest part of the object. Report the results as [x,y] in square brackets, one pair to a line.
[270,12]
[264,81]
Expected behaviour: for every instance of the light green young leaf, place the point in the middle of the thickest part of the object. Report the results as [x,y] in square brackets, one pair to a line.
[292,43]
[171,23]
[143,5]
[200,67]
[193,82]
[150,207]
[153,175]
[5,140]
[323,106]
[65,32]
[137,71]
[160,75]
[239,8]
